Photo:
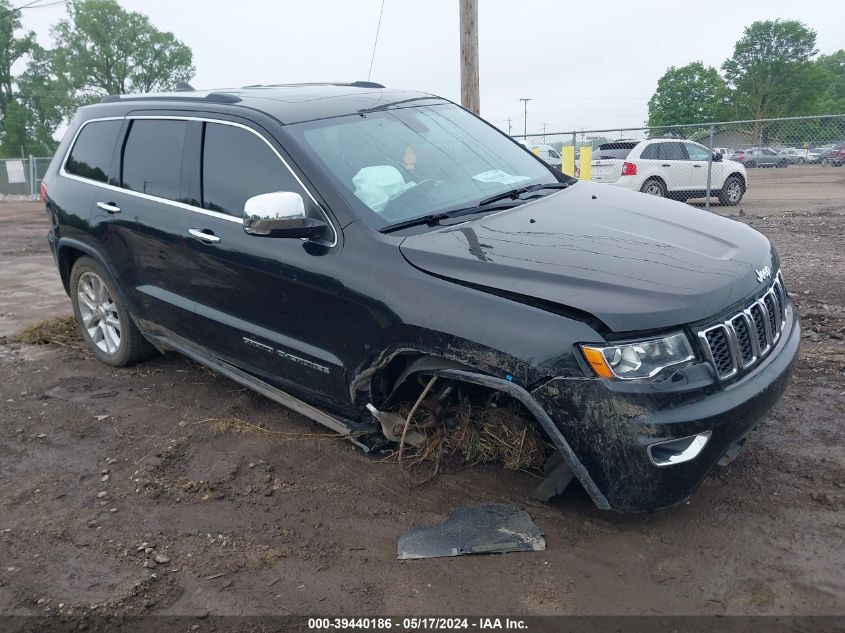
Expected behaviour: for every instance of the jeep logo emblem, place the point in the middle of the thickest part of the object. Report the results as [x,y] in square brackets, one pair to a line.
[763,274]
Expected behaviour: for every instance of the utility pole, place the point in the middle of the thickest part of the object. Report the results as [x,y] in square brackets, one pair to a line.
[470,97]
[509,126]
[525,101]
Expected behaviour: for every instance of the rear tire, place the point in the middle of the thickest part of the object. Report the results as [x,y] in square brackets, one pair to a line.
[102,317]
[654,187]
[732,191]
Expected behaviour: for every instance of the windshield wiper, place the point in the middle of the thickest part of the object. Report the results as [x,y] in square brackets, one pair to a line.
[499,201]
[435,218]
[518,191]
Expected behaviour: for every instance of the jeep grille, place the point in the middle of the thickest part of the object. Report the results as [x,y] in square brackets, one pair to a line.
[745,338]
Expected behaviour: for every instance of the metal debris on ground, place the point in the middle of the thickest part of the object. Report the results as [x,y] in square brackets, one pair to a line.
[483,529]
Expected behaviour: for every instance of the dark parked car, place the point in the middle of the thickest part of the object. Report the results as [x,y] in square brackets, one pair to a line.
[760,157]
[836,156]
[336,247]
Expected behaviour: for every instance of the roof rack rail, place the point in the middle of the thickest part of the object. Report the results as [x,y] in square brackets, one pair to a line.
[366,84]
[213,97]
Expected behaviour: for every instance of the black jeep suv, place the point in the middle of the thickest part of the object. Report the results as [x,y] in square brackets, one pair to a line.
[331,245]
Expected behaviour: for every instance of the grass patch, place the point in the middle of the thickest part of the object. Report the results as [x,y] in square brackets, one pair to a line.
[61,331]
[487,435]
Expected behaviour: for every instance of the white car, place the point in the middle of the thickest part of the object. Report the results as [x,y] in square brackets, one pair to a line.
[546,152]
[670,168]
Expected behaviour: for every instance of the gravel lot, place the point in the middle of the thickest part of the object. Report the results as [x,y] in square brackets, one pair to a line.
[278,517]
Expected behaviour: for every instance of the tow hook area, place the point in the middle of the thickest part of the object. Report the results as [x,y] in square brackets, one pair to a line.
[735,449]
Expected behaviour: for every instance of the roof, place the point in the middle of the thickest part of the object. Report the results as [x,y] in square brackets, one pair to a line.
[292,103]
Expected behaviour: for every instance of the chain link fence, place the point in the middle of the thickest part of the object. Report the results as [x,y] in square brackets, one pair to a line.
[21,177]
[696,161]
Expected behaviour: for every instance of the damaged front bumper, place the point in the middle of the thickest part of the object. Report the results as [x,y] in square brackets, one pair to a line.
[639,447]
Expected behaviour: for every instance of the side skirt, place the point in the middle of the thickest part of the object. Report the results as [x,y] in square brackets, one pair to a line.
[347,428]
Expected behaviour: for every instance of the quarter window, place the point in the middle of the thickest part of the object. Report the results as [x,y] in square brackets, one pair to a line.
[91,155]
[651,152]
[152,158]
[237,165]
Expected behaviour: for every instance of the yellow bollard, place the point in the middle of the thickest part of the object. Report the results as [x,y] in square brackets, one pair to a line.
[567,156]
[586,162]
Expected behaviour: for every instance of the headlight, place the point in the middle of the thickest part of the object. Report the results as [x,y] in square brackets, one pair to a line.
[638,359]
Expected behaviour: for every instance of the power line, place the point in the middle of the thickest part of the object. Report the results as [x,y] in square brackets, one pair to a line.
[32,5]
[378,28]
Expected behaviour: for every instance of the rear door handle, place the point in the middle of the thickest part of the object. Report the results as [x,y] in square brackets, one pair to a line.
[109,207]
[696,165]
[666,165]
[203,236]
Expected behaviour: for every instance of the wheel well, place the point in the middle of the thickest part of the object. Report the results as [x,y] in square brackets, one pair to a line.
[738,175]
[658,179]
[67,258]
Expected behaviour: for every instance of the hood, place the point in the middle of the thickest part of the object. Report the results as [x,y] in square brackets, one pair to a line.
[635,262]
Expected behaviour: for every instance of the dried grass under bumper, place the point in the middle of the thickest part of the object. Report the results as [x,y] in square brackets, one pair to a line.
[485,435]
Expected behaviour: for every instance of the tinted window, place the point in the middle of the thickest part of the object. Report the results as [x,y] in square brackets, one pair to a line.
[152,159]
[651,152]
[236,165]
[92,152]
[672,151]
[614,150]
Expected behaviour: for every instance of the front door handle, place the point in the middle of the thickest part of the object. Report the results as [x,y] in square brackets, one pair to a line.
[204,236]
[696,165]
[666,165]
[109,207]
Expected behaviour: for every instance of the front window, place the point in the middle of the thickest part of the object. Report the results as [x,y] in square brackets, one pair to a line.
[398,164]
[697,152]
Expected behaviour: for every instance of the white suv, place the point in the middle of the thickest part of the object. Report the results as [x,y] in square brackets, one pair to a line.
[670,168]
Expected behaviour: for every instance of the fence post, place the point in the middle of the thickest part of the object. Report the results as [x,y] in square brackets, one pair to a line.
[31,177]
[709,167]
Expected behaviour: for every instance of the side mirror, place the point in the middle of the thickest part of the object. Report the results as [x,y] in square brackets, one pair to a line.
[717,157]
[280,214]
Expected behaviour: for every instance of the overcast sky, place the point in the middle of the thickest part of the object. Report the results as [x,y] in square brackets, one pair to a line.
[584,64]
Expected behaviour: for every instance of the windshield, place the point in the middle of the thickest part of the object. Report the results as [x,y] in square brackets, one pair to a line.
[399,164]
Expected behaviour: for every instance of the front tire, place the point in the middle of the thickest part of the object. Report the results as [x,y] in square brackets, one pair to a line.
[102,317]
[732,191]
[654,187]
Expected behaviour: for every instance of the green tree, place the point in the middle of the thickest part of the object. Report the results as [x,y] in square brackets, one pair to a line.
[831,69]
[693,93]
[102,49]
[15,47]
[770,73]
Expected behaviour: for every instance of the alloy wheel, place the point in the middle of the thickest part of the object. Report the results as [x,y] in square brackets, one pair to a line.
[734,191]
[99,312]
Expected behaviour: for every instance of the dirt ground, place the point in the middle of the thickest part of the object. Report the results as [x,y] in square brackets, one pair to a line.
[102,470]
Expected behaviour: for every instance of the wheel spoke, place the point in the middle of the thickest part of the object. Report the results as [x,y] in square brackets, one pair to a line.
[86,302]
[107,338]
[113,321]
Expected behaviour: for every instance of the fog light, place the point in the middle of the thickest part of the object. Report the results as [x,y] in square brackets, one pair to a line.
[678,451]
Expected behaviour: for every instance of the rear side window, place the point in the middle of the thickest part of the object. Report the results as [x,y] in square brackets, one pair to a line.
[651,152]
[673,151]
[91,155]
[614,150]
[152,157]
[237,165]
